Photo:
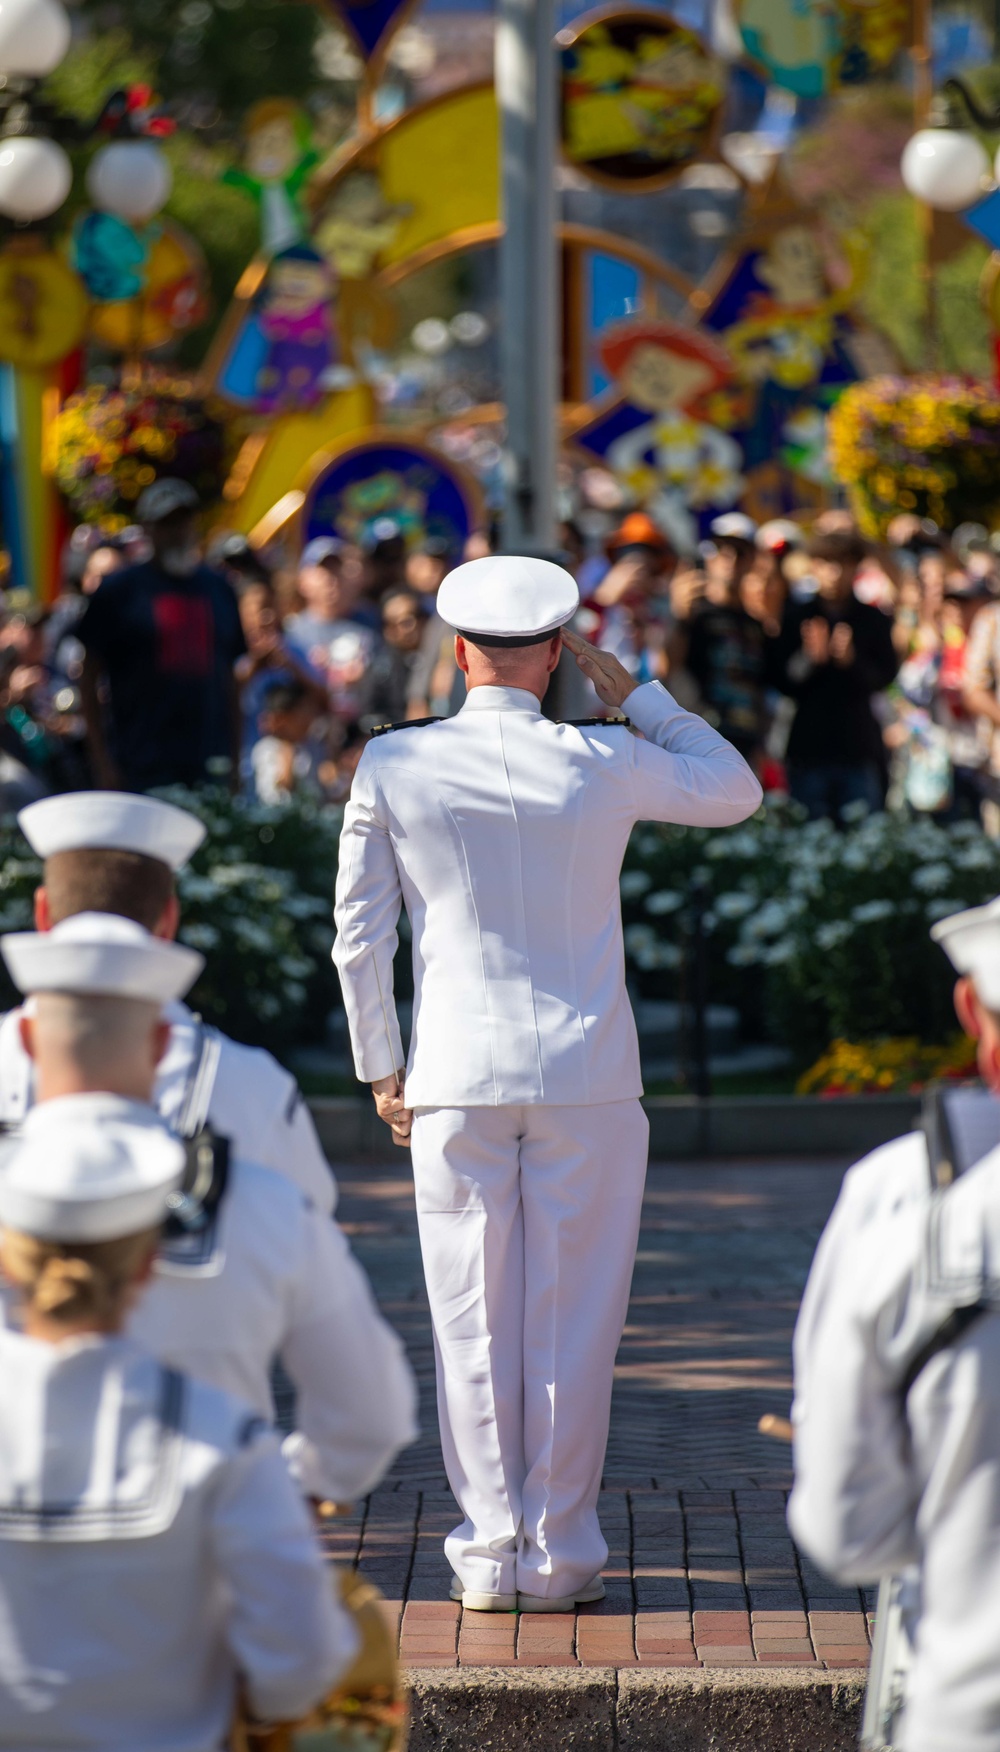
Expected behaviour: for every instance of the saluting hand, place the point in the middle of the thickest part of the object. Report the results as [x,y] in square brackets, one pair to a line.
[610,678]
[388,1093]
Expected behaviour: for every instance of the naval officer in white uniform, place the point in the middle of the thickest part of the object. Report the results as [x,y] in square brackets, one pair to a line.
[897,1407]
[153,1551]
[502,834]
[106,851]
[252,1271]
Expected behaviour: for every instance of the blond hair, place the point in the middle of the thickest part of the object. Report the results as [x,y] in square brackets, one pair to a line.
[73,1281]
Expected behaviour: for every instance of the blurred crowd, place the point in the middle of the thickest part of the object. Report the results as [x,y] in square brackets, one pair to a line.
[846,671]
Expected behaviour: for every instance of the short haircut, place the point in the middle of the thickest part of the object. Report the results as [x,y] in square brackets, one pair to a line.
[284,696]
[840,546]
[128,884]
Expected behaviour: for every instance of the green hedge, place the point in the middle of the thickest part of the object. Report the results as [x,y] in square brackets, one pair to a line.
[256,899]
[813,934]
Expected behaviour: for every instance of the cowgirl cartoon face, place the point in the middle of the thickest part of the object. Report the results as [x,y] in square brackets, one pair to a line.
[656,380]
[661,365]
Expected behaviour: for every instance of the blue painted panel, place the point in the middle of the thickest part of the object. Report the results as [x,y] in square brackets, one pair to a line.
[612,293]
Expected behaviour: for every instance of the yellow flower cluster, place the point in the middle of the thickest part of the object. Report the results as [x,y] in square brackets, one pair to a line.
[924,443]
[884,1066]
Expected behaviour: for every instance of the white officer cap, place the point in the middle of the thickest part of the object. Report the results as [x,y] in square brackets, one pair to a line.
[971,941]
[507,599]
[111,821]
[100,953]
[733,526]
[90,1176]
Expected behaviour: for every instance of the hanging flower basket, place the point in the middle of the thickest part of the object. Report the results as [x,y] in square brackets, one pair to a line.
[108,444]
[928,445]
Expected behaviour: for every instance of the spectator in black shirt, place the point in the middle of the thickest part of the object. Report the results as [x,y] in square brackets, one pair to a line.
[162,638]
[387,683]
[722,647]
[832,654]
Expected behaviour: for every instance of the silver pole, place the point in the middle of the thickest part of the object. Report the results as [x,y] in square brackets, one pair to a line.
[529,270]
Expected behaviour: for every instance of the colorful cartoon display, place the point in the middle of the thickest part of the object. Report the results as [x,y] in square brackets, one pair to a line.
[786,323]
[277,159]
[43,306]
[640,95]
[404,487]
[809,48]
[358,224]
[148,287]
[284,348]
[662,438]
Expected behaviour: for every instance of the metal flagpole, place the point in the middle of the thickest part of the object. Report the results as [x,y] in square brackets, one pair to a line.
[529,271]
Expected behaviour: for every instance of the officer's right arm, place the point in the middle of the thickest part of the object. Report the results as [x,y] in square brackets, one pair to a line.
[685,771]
[287,1633]
[366,915]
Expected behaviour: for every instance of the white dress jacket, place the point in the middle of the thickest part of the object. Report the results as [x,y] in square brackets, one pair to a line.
[503,835]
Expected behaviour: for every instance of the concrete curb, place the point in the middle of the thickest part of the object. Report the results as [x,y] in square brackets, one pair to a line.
[681,1127]
[604,1709]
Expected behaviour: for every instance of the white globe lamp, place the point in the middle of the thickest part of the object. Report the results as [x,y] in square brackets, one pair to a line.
[34,37]
[130,178]
[945,167]
[35,177]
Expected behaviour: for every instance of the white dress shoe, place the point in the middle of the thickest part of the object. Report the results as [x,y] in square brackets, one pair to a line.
[473,1602]
[584,1596]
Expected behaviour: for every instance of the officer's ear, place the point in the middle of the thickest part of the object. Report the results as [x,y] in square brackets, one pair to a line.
[26,1029]
[43,917]
[555,652]
[967,1008]
[461,654]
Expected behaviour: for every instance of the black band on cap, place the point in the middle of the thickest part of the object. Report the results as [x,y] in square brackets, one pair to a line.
[512,642]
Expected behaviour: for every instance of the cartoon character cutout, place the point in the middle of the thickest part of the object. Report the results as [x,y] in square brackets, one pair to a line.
[277,158]
[358,223]
[637,97]
[786,325]
[675,463]
[284,355]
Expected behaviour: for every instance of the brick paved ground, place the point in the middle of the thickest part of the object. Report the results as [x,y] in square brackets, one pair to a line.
[701,1568]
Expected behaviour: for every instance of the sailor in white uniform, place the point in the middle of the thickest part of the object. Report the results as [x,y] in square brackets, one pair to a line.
[502,834]
[897,1410]
[249,1270]
[106,851]
[901,1172]
[154,1553]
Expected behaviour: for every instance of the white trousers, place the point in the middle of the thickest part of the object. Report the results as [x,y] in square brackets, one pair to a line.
[529,1218]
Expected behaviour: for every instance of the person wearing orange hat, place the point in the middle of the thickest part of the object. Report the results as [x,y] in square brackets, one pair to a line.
[626,612]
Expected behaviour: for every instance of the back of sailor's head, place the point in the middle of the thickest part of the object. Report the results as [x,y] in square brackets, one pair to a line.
[82,1199]
[98,984]
[971,941]
[109,852]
